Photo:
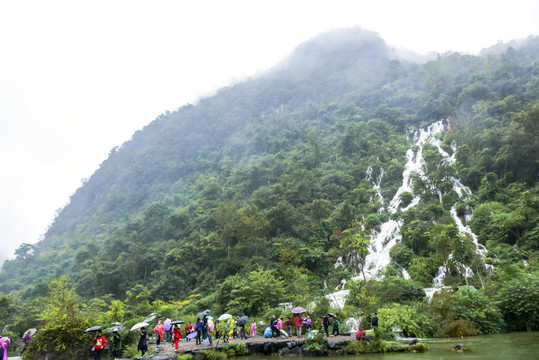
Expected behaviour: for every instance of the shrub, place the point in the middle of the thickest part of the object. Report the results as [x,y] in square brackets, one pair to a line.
[472,305]
[317,343]
[241,349]
[211,354]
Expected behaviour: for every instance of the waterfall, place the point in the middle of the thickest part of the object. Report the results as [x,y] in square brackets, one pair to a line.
[337,299]
[463,192]
[389,234]
[383,240]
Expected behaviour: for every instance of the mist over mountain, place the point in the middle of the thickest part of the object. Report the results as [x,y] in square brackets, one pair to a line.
[284,175]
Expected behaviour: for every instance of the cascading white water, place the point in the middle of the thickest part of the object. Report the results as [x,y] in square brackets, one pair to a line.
[429,292]
[463,192]
[389,234]
[337,299]
[376,183]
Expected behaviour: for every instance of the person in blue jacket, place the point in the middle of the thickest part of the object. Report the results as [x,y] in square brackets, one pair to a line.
[199,326]
[374,321]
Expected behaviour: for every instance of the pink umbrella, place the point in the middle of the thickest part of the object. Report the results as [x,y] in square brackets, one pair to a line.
[167,324]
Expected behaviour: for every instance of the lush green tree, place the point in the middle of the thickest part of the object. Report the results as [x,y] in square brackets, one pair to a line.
[518,299]
[62,325]
[472,305]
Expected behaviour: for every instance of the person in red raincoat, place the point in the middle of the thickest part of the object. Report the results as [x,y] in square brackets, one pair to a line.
[99,344]
[177,335]
[159,331]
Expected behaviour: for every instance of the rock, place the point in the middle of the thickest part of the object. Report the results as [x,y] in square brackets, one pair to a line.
[271,347]
[336,345]
[255,346]
[413,342]
[165,357]
[296,350]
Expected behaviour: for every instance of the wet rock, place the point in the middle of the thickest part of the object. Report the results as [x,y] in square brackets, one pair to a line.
[296,350]
[336,345]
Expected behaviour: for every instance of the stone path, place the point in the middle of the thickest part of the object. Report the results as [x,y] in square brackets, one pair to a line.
[188,346]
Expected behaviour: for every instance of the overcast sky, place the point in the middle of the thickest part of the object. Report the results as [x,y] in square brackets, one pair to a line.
[80,77]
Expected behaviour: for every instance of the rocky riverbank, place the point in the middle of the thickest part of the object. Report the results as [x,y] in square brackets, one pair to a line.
[254,345]
[261,345]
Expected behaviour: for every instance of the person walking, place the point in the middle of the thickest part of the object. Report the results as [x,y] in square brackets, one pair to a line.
[159,331]
[199,327]
[188,330]
[325,324]
[205,327]
[336,324]
[99,343]
[289,326]
[4,344]
[27,339]
[177,335]
[253,328]
[298,325]
[117,349]
[211,331]
[143,341]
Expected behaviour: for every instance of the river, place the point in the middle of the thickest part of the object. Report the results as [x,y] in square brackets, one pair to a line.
[524,345]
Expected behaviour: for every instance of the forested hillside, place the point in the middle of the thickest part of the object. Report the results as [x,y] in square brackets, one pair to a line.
[265,185]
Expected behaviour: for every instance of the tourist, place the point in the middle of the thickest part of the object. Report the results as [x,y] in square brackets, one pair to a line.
[117,349]
[336,324]
[325,323]
[159,331]
[374,321]
[289,326]
[143,341]
[198,327]
[273,323]
[99,343]
[4,344]
[298,325]
[253,328]
[27,339]
[205,327]
[177,335]
[210,331]
[188,330]
[360,335]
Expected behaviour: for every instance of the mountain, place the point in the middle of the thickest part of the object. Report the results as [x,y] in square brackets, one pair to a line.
[276,180]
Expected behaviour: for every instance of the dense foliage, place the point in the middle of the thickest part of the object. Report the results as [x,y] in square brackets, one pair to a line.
[248,198]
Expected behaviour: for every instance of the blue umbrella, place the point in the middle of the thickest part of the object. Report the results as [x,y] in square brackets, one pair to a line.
[205,312]
[191,335]
[298,310]
[116,328]
[242,320]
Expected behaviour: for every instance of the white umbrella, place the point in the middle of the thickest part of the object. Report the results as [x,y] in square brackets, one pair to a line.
[139,325]
[30,331]
[224,317]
